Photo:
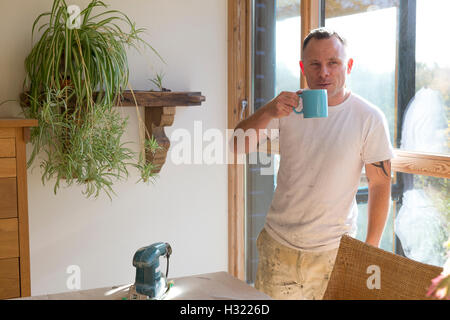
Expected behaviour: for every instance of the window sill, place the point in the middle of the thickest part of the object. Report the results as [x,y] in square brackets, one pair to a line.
[422,163]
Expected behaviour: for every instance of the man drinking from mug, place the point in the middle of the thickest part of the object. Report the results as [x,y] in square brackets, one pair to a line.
[321,160]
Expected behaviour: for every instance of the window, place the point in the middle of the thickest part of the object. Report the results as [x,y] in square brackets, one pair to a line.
[401,65]
[373,47]
[423,220]
[418,219]
[276,52]
[429,112]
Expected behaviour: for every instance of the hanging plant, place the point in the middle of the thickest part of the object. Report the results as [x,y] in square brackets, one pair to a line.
[74,78]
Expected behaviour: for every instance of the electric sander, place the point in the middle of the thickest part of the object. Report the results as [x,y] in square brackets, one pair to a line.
[150,283]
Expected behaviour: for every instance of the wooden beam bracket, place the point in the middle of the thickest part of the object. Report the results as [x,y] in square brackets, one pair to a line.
[156,118]
[159,113]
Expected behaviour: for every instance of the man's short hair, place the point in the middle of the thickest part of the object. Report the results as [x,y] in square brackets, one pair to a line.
[322,33]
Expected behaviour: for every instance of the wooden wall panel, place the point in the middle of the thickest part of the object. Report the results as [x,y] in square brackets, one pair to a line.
[7,148]
[9,278]
[9,238]
[7,167]
[7,133]
[8,198]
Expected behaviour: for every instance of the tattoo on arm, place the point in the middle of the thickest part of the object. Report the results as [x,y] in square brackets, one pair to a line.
[381,165]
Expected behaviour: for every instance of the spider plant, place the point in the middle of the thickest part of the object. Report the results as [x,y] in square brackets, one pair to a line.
[74,78]
[157,81]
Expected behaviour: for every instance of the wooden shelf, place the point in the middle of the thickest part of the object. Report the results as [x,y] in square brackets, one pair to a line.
[159,113]
[158,99]
[154,99]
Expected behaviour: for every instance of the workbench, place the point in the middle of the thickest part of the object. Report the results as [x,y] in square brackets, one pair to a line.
[209,286]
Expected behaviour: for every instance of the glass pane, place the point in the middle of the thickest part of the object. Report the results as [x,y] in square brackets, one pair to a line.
[372,45]
[276,56]
[387,239]
[426,126]
[288,43]
[423,221]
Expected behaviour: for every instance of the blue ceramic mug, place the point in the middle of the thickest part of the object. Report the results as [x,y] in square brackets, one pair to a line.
[315,103]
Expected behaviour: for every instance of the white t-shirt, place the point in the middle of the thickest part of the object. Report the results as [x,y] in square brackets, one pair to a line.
[321,161]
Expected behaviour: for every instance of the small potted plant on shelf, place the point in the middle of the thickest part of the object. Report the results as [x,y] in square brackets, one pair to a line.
[75,75]
[157,81]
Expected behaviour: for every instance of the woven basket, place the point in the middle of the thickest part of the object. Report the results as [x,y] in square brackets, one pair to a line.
[400,278]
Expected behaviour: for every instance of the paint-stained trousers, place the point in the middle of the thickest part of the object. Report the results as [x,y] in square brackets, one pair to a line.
[287,274]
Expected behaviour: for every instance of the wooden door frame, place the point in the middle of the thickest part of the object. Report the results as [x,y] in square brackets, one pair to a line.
[310,19]
[239,89]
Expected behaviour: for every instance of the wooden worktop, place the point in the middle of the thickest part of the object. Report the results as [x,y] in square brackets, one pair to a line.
[209,286]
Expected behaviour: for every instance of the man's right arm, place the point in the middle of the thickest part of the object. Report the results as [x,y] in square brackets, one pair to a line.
[279,107]
[257,121]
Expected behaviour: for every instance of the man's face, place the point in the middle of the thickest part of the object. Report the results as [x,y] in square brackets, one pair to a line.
[325,66]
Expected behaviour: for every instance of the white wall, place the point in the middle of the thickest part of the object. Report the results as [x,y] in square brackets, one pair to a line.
[187,206]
